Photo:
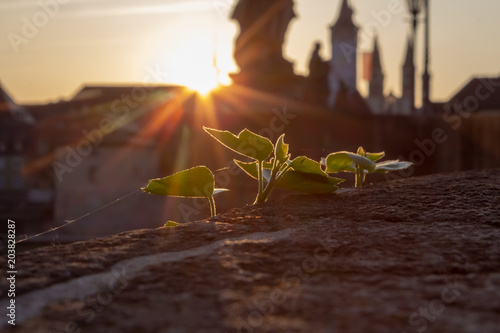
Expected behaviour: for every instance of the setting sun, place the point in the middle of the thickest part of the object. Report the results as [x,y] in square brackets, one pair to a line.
[202,82]
[202,59]
[205,75]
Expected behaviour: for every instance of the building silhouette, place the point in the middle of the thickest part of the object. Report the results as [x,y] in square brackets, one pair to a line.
[344,39]
[259,55]
[376,98]
[406,103]
[16,138]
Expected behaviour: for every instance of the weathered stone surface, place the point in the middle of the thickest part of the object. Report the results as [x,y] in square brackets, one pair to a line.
[415,255]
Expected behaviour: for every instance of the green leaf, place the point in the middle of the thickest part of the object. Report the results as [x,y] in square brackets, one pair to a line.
[281,150]
[374,157]
[388,166]
[339,162]
[171,224]
[346,161]
[246,143]
[305,164]
[197,182]
[308,183]
[250,168]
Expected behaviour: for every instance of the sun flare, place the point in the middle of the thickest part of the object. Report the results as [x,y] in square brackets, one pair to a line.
[201,63]
[203,82]
[204,79]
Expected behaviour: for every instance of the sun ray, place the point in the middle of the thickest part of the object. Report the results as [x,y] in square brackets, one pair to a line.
[169,113]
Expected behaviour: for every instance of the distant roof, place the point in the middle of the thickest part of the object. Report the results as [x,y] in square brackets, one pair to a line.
[93,95]
[9,109]
[64,122]
[16,126]
[481,93]
[108,93]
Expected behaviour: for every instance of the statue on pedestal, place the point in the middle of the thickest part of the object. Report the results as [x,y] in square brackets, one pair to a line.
[259,47]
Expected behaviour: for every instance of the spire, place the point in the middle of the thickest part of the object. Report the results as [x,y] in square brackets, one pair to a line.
[409,55]
[345,7]
[345,15]
[376,62]
[376,97]
[409,80]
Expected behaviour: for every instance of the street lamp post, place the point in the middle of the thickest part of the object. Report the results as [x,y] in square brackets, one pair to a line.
[414,7]
[426,77]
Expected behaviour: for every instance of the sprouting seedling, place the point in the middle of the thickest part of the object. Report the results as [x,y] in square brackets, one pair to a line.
[198,182]
[247,144]
[361,164]
[301,174]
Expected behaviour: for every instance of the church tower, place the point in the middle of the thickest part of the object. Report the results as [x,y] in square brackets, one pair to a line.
[344,36]
[376,98]
[407,102]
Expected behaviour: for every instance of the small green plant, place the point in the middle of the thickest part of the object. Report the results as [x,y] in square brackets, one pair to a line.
[272,167]
[300,174]
[197,182]
[361,163]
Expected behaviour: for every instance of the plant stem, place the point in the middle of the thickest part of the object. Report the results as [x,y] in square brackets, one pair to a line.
[359,177]
[213,212]
[268,190]
[274,179]
[260,177]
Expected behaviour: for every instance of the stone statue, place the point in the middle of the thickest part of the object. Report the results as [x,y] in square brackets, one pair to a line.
[316,90]
[263,25]
[316,64]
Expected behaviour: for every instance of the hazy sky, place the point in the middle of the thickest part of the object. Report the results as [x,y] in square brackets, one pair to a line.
[47,54]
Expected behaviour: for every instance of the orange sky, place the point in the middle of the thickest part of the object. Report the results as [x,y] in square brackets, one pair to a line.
[77,42]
